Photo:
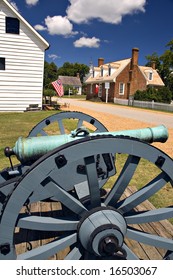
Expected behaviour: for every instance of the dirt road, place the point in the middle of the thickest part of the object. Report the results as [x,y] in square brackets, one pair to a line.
[121,117]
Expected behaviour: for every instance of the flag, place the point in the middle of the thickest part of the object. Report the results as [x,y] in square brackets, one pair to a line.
[58,86]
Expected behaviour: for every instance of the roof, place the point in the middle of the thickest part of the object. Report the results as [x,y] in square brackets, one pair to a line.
[71,81]
[156,80]
[116,66]
[18,15]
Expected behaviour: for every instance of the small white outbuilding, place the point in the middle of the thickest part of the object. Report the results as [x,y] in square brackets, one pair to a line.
[22,52]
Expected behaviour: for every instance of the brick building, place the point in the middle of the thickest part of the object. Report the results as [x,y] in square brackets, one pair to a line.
[123,78]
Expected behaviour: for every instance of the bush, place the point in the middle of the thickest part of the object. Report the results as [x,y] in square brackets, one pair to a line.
[162,95]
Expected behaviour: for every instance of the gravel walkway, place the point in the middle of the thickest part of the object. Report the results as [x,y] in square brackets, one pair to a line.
[117,118]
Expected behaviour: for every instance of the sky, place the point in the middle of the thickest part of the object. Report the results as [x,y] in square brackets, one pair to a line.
[84,30]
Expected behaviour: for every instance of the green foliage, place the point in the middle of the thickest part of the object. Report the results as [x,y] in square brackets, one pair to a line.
[67,88]
[72,69]
[164,65]
[50,74]
[162,95]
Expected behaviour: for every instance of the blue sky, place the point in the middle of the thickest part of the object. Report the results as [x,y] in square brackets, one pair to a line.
[84,30]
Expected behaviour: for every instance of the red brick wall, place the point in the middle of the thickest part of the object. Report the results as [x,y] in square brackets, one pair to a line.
[133,80]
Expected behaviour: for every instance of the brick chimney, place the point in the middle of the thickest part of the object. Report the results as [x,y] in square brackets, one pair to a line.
[100,61]
[134,59]
[153,64]
[78,76]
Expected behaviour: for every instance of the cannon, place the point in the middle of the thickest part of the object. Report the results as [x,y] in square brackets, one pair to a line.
[90,217]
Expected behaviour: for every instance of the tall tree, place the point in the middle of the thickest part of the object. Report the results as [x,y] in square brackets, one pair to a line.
[50,74]
[164,65]
[72,69]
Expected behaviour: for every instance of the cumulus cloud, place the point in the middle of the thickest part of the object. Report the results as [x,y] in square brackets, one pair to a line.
[110,11]
[32,2]
[40,27]
[14,5]
[53,56]
[59,25]
[87,42]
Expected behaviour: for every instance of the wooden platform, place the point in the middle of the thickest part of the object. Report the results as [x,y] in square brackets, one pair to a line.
[146,252]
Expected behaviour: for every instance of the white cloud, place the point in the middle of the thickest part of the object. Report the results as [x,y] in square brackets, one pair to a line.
[53,56]
[32,2]
[40,27]
[59,25]
[110,11]
[14,5]
[87,42]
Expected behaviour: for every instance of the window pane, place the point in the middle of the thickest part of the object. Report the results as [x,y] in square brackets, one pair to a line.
[2,63]
[12,25]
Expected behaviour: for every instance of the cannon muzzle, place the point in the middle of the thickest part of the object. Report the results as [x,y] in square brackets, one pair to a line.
[32,148]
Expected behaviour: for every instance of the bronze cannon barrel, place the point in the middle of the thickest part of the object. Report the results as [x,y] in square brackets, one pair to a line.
[32,148]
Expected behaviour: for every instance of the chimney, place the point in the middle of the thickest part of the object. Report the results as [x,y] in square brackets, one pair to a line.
[134,60]
[78,76]
[153,64]
[100,61]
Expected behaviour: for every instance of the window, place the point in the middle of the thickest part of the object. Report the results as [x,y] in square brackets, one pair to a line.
[91,89]
[101,71]
[121,88]
[100,90]
[150,76]
[109,70]
[12,25]
[2,63]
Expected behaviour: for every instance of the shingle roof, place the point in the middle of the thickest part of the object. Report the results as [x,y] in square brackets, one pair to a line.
[117,68]
[71,81]
[156,80]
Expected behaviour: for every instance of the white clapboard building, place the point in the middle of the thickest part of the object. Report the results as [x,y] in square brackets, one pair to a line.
[22,51]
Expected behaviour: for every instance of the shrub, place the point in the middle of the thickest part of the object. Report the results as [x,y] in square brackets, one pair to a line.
[162,95]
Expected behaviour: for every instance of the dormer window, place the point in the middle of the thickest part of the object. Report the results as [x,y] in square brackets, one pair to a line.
[101,71]
[109,70]
[12,25]
[150,76]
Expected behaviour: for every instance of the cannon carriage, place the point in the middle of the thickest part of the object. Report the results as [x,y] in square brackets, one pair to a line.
[90,218]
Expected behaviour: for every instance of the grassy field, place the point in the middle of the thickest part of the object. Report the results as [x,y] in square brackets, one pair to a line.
[14,125]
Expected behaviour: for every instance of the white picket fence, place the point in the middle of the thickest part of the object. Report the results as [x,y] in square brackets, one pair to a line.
[145,104]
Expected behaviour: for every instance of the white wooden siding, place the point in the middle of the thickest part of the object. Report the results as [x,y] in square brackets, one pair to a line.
[21,83]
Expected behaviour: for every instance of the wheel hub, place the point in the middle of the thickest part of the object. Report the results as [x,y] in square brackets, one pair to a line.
[102,231]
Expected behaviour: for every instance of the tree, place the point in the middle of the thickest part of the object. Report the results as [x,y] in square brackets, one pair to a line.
[72,69]
[50,74]
[164,65]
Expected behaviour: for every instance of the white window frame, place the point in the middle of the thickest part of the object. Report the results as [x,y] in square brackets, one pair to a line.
[100,90]
[150,75]
[121,88]
[91,89]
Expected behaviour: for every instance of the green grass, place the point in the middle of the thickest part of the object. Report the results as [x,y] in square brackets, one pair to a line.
[14,125]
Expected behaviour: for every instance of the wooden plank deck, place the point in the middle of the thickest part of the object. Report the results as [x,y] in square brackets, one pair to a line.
[163,228]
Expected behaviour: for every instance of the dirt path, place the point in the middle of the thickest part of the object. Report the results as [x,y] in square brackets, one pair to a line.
[114,122]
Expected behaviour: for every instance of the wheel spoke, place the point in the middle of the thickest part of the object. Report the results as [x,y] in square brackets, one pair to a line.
[75,254]
[150,216]
[130,254]
[47,223]
[80,123]
[123,180]
[91,170]
[65,198]
[150,239]
[48,250]
[61,126]
[143,194]
[43,133]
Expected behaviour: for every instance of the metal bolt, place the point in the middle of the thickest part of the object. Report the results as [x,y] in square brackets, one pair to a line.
[5,248]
